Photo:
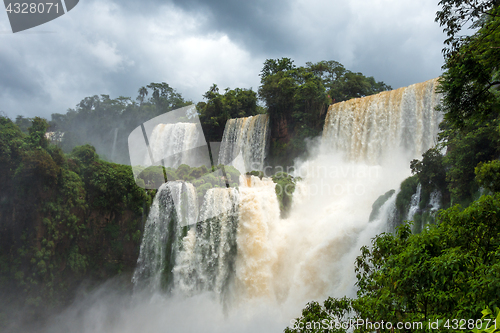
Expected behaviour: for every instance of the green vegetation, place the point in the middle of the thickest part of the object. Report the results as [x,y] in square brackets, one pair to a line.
[285,187]
[342,84]
[470,88]
[379,203]
[219,108]
[201,177]
[106,123]
[449,270]
[488,175]
[407,189]
[67,215]
[63,218]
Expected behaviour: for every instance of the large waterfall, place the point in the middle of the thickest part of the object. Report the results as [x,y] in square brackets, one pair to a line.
[245,143]
[227,245]
[372,128]
[234,265]
[240,249]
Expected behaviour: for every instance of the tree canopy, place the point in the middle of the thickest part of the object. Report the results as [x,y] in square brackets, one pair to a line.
[219,108]
[106,123]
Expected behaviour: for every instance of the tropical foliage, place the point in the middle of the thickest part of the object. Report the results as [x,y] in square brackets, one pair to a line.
[219,108]
[63,218]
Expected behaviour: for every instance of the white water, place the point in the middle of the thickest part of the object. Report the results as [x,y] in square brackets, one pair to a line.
[175,144]
[174,206]
[206,261]
[414,203]
[280,264]
[377,127]
[257,255]
[245,142]
[435,201]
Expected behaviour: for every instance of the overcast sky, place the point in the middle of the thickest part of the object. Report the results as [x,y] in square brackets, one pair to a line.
[114,48]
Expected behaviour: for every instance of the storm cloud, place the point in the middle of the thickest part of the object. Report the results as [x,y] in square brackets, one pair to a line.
[114,48]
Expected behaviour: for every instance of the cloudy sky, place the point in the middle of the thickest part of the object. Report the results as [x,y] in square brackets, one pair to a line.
[115,47]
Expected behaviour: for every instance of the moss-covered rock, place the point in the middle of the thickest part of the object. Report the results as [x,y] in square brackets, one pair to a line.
[285,187]
[403,199]
[379,203]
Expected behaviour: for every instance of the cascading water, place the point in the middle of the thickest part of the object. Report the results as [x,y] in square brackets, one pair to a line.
[365,150]
[372,128]
[232,230]
[174,206]
[206,261]
[258,215]
[414,203]
[435,200]
[245,142]
[245,254]
[174,144]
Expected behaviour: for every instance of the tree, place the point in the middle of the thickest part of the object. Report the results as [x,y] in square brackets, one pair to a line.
[470,93]
[342,84]
[471,78]
[37,132]
[23,123]
[277,89]
[456,14]
[274,66]
[293,95]
[431,173]
[443,272]
[219,108]
[297,99]
[488,175]
[165,97]
[143,92]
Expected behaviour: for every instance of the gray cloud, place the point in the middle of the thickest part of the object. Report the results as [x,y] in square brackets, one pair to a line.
[256,24]
[115,48]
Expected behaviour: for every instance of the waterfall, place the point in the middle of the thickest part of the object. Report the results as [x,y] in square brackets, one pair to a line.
[258,214]
[234,265]
[173,208]
[373,128]
[387,213]
[175,144]
[238,244]
[435,200]
[414,203]
[239,249]
[245,143]
[206,261]
[232,231]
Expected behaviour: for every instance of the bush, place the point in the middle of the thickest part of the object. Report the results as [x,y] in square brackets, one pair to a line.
[488,175]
